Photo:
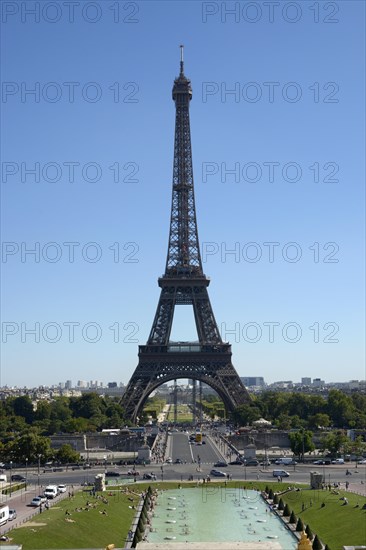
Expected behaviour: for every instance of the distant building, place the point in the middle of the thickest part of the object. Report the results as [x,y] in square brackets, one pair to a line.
[318,383]
[68,384]
[112,384]
[253,380]
[306,381]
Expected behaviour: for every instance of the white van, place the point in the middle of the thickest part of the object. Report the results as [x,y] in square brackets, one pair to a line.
[51,491]
[280,473]
[285,460]
[4,514]
[3,478]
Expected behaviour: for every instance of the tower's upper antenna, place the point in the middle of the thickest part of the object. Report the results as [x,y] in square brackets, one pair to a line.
[181,59]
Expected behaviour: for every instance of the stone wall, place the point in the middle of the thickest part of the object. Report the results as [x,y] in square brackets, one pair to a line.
[81,443]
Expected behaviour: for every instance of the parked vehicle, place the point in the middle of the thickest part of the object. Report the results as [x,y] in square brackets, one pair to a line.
[12,514]
[251,462]
[61,488]
[36,501]
[220,464]
[285,460]
[112,473]
[51,491]
[338,461]
[4,513]
[3,478]
[133,473]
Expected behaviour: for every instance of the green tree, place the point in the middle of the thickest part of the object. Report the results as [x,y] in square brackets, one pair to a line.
[66,454]
[43,410]
[22,406]
[301,442]
[299,525]
[334,441]
[88,405]
[341,409]
[293,518]
[246,414]
[319,420]
[29,445]
[283,422]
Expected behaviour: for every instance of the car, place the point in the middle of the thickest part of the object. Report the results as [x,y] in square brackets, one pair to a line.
[133,473]
[61,488]
[149,476]
[43,498]
[76,467]
[265,463]
[251,462]
[280,473]
[220,464]
[236,462]
[338,461]
[362,461]
[217,473]
[169,460]
[203,442]
[12,514]
[178,461]
[86,466]
[18,477]
[112,473]
[36,502]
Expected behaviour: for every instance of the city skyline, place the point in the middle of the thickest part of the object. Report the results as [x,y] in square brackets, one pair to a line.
[278,141]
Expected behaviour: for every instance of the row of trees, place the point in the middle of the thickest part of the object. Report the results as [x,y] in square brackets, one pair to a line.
[24,428]
[88,413]
[299,410]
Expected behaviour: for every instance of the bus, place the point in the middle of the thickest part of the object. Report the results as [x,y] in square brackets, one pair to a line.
[198,438]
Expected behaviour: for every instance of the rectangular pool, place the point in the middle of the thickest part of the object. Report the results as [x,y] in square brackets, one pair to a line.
[216,513]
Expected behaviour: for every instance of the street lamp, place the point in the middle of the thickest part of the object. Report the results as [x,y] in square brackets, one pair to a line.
[11,466]
[39,466]
[26,472]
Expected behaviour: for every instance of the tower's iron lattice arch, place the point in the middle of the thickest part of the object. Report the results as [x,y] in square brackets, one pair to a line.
[183,282]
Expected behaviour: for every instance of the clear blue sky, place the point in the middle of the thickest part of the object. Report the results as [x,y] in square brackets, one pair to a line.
[293,129]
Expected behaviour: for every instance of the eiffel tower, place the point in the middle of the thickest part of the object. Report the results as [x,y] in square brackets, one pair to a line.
[161,360]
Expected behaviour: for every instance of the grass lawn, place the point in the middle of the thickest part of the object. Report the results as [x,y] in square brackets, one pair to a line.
[88,527]
[184,414]
[335,524]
